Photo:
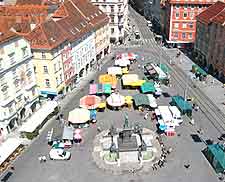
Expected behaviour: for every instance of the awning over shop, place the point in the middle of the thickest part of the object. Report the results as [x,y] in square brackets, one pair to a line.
[148,87]
[108,79]
[67,133]
[183,105]
[114,70]
[100,89]
[197,69]
[7,148]
[141,100]
[38,117]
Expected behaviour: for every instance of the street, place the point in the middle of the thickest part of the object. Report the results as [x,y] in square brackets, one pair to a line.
[82,168]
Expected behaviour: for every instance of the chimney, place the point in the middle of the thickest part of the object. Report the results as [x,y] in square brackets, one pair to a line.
[32,26]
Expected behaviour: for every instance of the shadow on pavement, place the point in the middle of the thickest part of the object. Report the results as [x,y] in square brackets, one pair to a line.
[6,177]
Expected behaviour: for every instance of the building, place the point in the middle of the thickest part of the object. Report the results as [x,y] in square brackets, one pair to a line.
[19,96]
[139,5]
[179,20]
[117,10]
[210,39]
[48,40]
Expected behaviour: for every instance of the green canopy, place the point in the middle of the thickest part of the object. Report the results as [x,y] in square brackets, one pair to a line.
[165,68]
[141,99]
[148,87]
[216,156]
[183,105]
[197,69]
[107,88]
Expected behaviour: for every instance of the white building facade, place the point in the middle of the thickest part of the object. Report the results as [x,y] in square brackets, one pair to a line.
[18,92]
[117,10]
[84,55]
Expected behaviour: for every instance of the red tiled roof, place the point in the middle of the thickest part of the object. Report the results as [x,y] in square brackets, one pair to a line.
[47,35]
[37,2]
[91,13]
[191,2]
[6,35]
[215,13]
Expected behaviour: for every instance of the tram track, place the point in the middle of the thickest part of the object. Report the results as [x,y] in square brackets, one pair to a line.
[214,115]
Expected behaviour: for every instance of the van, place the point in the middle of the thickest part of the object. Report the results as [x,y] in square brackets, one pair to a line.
[176,115]
[149,24]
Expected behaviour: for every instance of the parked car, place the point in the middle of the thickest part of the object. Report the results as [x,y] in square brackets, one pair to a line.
[149,24]
[59,154]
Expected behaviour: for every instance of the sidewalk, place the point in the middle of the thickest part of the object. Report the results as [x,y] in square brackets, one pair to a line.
[211,87]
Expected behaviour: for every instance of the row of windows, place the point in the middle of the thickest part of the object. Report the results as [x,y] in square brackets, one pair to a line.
[184,35]
[112,19]
[184,14]
[58,81]
[184,25]
[112,7]
[192,6]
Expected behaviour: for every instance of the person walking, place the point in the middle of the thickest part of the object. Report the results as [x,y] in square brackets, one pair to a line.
[146,116]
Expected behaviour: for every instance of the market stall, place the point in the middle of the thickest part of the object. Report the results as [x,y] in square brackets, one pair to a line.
[141,100]
[128,101]
[122,62]
[79,116]
[115,100]
[131,80]
[128,55]
[148,87]
[108,79]
[115,70]
[67,136]
[90,101]
[184,106]
[100,89]
[125,70]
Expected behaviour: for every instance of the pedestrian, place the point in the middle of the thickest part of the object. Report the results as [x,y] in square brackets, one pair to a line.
[139,66]
[12,168]
[44,159]
[146,116]
[40,159]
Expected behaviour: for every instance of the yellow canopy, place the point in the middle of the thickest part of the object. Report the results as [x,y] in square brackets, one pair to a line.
[102,105]
[108,79]
[125,70]
[128,99]
[137,83]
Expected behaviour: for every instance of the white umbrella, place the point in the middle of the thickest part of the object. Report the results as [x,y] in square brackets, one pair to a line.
[116,100]
[79,115]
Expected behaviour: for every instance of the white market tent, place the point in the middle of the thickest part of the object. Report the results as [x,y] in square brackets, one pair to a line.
[79,116]
[122,62]
[7,148]
[116,100]
[152,101]
[38,117]
[114,70]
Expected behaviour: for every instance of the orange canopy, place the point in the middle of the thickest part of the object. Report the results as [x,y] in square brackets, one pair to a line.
[108,79]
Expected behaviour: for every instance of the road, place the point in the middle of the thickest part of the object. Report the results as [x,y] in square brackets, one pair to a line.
[82,168]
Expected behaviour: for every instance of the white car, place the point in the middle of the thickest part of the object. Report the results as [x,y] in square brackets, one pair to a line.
[59,154]
[149,24]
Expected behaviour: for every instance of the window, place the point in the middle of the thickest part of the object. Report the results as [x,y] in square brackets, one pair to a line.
[177,6]
[190,35]
[112,30]
[175,34]
[25,51]
[185,6]
[55,67]
[12,58]
[183,35]
[57,81]
[61,79]
[176,25]
[43,55]
[112,19]
[45,69]
[119,8]
[192,14]
[11,109]
[33,92]
[47,83]
[1,60]
[112,8]
[185,14]
[120,19]
[192,6]
[184,25]
[177,14]
[191,25]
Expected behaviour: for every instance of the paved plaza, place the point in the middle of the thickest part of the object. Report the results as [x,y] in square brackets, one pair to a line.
[81,167]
